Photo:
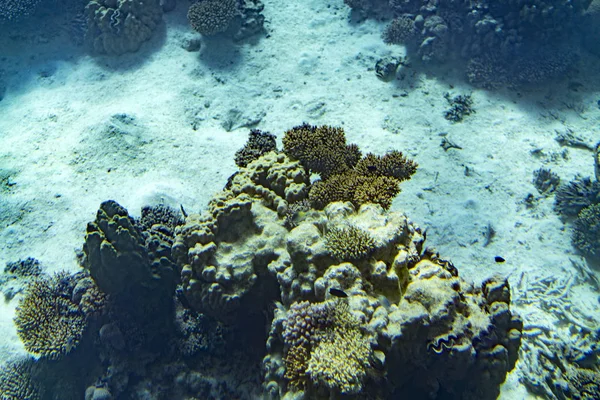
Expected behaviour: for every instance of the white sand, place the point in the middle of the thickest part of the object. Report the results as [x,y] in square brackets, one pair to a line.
[316,67]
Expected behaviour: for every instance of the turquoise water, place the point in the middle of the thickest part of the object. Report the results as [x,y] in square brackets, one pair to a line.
[325,199]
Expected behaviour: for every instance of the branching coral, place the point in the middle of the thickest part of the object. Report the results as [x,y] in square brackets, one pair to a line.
[16,382]
[586,231]
[576,195]
[321,149]
[325,348]
[345,175]
[259,143]
[349,243]
[54,313]
[16,9]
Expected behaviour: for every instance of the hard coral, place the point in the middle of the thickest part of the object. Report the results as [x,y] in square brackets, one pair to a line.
[16,382]
[52,316]
[259,143]
[17,9]
[586,231]
[210,17]
[321,149]
[219,278]
[326,348]
[121,26]
[345,175]
[576,195]
[349,243]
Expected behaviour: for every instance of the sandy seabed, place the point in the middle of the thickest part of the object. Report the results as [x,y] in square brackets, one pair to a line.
[182,115]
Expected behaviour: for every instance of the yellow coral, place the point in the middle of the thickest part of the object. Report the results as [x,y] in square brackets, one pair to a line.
[49,324]
[349,243]
[341,361]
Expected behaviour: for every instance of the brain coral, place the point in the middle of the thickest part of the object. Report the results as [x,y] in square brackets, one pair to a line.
[121,26]
[210,17]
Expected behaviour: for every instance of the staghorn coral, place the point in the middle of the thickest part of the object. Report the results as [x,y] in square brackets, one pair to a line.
[349,243]
[210,17]
[53,314]
[258,143]
[120,26]
[17,383]
[392,164]
[545,181]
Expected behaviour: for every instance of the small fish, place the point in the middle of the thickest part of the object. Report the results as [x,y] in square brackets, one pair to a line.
[499,259]
[337,293]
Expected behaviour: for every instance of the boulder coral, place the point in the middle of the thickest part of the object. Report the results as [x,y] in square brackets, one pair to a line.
[116,27]
[407,309]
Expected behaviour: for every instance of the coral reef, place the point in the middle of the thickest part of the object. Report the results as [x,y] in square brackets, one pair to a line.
[576,195]
[17,9]
[121,26]
[345,175]
[504,43]
[210,17]
[17,383]
[353,302]
[545,181]
[410,302]
[586,231]
[53,314]
[258,144]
